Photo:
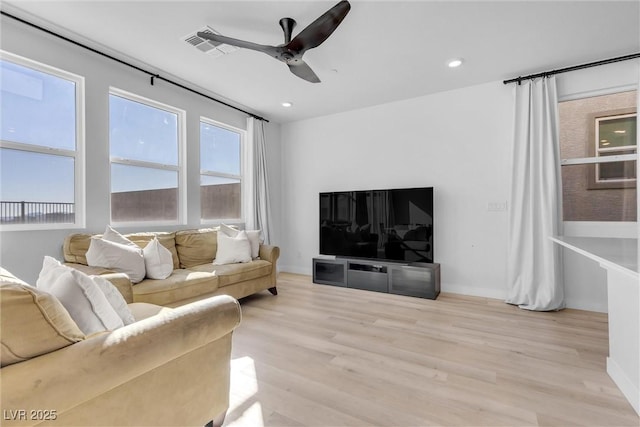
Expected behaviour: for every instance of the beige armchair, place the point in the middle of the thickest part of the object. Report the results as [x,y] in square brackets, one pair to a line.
[169,368]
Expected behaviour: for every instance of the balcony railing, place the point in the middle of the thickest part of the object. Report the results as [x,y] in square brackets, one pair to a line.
[36,212]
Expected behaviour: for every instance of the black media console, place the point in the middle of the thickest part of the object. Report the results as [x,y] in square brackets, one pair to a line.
[416,279]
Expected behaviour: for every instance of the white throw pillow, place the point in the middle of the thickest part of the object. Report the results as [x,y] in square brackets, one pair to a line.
[254,239]
[115,298]
[253,235]
[112,235]
[157,260]
[233,249]
[117,256]
[80,295]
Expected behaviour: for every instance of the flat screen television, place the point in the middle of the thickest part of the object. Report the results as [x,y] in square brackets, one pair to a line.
[393,225]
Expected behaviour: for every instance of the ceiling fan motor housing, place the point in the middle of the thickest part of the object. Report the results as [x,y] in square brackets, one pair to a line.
[287,24]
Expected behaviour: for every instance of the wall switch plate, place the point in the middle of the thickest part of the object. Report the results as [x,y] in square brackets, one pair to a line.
[497,206]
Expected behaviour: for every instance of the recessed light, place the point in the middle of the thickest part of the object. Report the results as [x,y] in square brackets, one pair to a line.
[454,63]
[286,104]
[619,131]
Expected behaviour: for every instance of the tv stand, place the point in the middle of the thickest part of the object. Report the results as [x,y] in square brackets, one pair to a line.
[413,279]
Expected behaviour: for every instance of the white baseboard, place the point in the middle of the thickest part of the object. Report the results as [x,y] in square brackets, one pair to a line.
[295,270]
[470,291]
[598,307]
[474,291]
[626,386]
[454,289]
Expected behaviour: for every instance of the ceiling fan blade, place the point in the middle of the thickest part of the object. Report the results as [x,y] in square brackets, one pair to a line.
[320,29]
[302,70]
[269,50]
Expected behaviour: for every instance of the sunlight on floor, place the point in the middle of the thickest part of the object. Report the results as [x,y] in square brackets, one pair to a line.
[244,407]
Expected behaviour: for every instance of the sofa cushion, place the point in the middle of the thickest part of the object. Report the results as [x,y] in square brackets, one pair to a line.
[75,248]
[32,322]
[182,284]
[196,247]
[230,274]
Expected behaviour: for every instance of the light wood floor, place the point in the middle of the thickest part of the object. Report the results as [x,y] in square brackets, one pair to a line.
[319,355]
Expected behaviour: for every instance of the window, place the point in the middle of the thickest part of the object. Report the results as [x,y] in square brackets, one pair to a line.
[598,148]
[220,171]
[145,144]
[41,146]
[614,134]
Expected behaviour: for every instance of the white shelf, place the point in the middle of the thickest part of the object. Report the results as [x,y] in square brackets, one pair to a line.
[615,253]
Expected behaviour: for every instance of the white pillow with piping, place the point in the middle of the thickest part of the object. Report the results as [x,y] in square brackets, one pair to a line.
[115,298]
[253,235]
[80,295]
[112,235]
[117,256]
[233,250]
[157,260]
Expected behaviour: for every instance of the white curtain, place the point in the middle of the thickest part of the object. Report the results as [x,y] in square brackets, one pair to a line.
[258,209]
[534,264]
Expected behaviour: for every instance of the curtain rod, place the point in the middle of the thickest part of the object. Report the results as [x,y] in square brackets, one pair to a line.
[151,74]
[573,68]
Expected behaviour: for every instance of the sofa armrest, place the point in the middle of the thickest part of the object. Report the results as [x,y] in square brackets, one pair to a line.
[119,280]
[64,379]
[269,253]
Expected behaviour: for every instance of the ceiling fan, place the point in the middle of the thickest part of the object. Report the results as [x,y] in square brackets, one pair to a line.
[292,50]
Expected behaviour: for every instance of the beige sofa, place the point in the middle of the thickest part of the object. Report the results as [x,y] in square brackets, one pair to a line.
[194,276]
[169,368]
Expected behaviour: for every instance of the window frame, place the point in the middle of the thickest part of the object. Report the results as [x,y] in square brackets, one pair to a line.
[78,155]
[594,151]
[179,168]
[600,228]
[241,177]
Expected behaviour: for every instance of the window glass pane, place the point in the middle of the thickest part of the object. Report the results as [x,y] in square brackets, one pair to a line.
[141,132]
[616,171]
[36,188]
[143,194]
[220,179]
[220,197]
[37,108]
[582,204]
[219,149]
[616,132]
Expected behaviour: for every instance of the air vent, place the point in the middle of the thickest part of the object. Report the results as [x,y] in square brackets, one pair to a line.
[208,46]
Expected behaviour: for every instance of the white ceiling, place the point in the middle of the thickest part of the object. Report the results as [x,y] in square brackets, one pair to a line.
[382,52]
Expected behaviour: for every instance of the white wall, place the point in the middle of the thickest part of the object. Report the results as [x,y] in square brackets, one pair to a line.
[21,252]
[457,142]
